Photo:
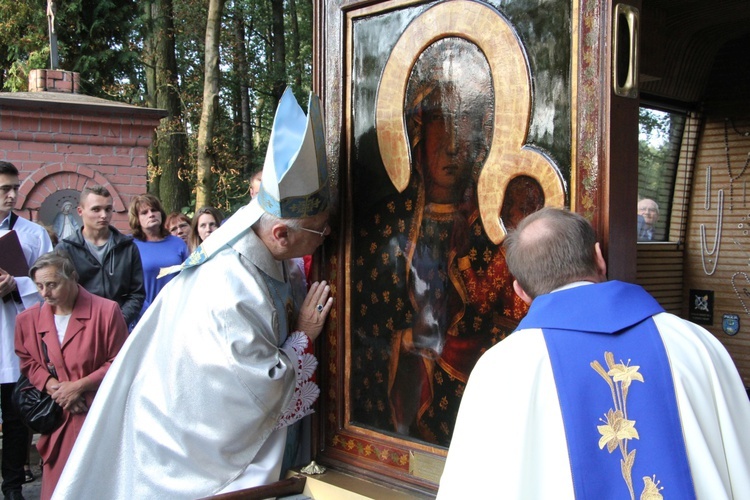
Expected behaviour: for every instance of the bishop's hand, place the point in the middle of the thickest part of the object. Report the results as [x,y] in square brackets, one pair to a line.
[315,309]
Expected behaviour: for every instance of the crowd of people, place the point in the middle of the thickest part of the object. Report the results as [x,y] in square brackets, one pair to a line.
[100,295]
[169,390]
[88,284]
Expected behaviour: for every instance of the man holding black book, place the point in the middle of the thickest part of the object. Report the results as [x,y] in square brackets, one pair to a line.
[18,292]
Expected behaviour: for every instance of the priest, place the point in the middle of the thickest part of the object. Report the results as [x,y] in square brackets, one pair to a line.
[611,397]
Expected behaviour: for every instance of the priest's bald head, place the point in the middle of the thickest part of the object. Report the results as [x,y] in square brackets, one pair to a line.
[552,248]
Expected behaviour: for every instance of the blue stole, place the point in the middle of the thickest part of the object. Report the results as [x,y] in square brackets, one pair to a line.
[616,392]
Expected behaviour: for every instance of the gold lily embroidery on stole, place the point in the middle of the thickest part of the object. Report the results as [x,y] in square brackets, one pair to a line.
[618,429]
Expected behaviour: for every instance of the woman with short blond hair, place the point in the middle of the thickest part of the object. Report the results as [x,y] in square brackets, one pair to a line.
[178,224]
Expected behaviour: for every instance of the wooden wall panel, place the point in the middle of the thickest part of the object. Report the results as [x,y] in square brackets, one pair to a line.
[730,280]
[660,272]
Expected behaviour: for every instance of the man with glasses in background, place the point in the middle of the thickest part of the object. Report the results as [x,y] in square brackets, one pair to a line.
[648,216]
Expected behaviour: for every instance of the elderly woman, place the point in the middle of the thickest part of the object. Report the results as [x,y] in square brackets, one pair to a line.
[157,247]
[178,224]
[206,221]
[82,334]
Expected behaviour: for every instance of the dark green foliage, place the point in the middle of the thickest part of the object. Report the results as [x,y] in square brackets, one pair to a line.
[654,152]
[103,40]
[95,38]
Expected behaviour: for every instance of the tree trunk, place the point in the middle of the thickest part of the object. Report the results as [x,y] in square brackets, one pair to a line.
[295,38]
[148,56]
[258,122]
[279,50]
[173,189]
[246,135]
[210,104]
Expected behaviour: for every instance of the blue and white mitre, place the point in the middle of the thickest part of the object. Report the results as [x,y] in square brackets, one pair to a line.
[295,174]
[295,177]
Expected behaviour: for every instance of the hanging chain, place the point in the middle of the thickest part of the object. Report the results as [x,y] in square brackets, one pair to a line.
[713,254]
[744,134]
[732,178]
[744,290]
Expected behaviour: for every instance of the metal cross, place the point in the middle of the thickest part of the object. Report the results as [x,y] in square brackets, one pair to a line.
[51,11]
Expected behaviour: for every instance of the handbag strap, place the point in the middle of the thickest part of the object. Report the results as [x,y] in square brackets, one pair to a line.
[50,367]
[44,351]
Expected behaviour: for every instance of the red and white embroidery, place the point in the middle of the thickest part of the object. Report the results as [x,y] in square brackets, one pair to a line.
[306,391]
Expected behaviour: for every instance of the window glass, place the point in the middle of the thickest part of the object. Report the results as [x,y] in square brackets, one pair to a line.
[659,138]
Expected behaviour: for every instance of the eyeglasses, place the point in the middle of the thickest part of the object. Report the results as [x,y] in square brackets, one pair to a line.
[649,210]
[181,225]
[325,232]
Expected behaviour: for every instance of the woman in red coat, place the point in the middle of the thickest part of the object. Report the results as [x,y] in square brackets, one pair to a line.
[83,333]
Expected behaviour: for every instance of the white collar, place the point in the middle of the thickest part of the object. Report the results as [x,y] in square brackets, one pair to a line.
[575,284]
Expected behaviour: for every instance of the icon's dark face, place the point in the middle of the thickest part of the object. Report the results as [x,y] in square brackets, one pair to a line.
[452,143]
[449,110]
[523,196]
[449,153]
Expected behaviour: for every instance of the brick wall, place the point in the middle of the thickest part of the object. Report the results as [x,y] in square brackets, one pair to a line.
[62,143]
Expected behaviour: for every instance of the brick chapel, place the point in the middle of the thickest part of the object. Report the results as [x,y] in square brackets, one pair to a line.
[61,141]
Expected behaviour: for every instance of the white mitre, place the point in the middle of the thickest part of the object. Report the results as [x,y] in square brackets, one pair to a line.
[295,177]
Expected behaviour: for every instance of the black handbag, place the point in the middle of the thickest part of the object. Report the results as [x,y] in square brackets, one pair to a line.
[36,408]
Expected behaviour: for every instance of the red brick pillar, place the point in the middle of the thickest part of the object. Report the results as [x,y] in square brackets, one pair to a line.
[49,80]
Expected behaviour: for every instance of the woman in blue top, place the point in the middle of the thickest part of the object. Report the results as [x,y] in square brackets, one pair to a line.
[157,247]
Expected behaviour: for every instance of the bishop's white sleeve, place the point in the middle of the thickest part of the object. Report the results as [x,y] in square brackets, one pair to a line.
[299,349]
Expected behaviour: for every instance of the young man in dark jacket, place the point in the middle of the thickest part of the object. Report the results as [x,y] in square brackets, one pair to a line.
[107,262]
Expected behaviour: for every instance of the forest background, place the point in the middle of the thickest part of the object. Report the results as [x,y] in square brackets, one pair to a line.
[218,67]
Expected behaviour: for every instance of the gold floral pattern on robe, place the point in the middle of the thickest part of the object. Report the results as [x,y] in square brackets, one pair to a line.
[618,430]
